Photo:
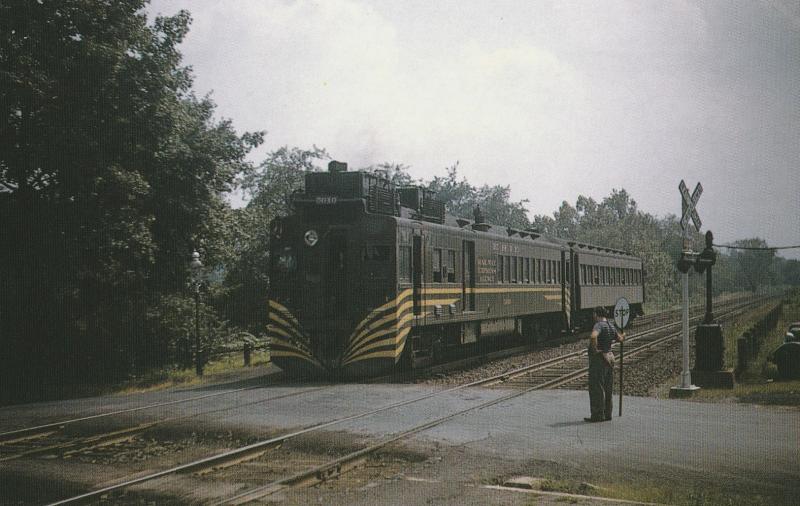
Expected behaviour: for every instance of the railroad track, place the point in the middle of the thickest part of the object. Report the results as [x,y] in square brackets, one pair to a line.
[334,467]
[58,441]
[54,439]
[643,324]
[570,371]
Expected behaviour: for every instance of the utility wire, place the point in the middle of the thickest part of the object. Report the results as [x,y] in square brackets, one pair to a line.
[759,248]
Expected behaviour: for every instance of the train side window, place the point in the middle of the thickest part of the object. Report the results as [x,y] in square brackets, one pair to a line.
[527,270]
[451,266]
[508,269]
[583,275]
[558,271]
[405,264]
[513,278]
[500,277]
[596,274]
[437,265]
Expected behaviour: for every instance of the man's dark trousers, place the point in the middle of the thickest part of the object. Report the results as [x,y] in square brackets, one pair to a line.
[601,387]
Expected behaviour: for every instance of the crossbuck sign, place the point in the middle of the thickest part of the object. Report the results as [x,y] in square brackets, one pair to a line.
[689,205]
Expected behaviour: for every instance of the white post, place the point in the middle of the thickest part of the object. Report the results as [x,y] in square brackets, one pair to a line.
[688,203]
[686,375]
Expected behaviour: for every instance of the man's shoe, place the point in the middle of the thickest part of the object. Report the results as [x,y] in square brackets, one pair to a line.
[592,420]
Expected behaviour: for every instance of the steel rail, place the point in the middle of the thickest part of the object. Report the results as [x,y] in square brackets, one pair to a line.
[118,435]
[29,432]
[223,457]
[238,453]
[49,428]
[641,345]
[336,466]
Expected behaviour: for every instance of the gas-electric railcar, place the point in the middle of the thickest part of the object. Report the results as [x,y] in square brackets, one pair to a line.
[367,278]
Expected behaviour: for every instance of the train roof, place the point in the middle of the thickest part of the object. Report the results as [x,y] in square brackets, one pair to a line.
[418,204]
[534,234]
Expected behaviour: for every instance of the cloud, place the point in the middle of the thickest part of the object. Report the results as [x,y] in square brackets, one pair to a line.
[554,99]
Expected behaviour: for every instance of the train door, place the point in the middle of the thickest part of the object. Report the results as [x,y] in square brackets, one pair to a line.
[574,287]
[468,275]
[417,272]
[336,274]
[566,301]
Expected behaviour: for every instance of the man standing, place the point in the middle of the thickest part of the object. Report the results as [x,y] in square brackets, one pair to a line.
[601,366]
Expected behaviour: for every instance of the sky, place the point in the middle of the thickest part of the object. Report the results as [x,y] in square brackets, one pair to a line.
[555,99]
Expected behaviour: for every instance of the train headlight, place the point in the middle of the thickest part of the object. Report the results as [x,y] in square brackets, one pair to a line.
[311,237]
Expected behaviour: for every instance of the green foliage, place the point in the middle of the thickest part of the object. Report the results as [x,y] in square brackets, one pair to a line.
[397,173]
[752,268]
[461,198]
[616,222]
[111,171]
[270,187]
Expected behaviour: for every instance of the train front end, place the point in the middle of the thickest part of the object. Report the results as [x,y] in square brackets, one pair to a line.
[334,309]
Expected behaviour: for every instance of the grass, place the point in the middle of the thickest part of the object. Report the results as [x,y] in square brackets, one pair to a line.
[756,385]
[648,491]
[171,377]
[734,330]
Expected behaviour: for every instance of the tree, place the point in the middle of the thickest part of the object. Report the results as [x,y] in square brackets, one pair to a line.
[111,171]
[397,173]
[753,267]
[270,187]
[461,198]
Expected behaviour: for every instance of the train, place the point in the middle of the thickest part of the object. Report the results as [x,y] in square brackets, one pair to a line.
[369,278]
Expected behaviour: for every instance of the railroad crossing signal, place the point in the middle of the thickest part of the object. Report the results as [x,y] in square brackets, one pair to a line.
[689,205]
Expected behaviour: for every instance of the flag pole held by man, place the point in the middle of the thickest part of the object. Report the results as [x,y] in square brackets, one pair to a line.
[601,366]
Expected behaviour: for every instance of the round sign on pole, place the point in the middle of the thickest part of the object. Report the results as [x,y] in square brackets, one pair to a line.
[622,313]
